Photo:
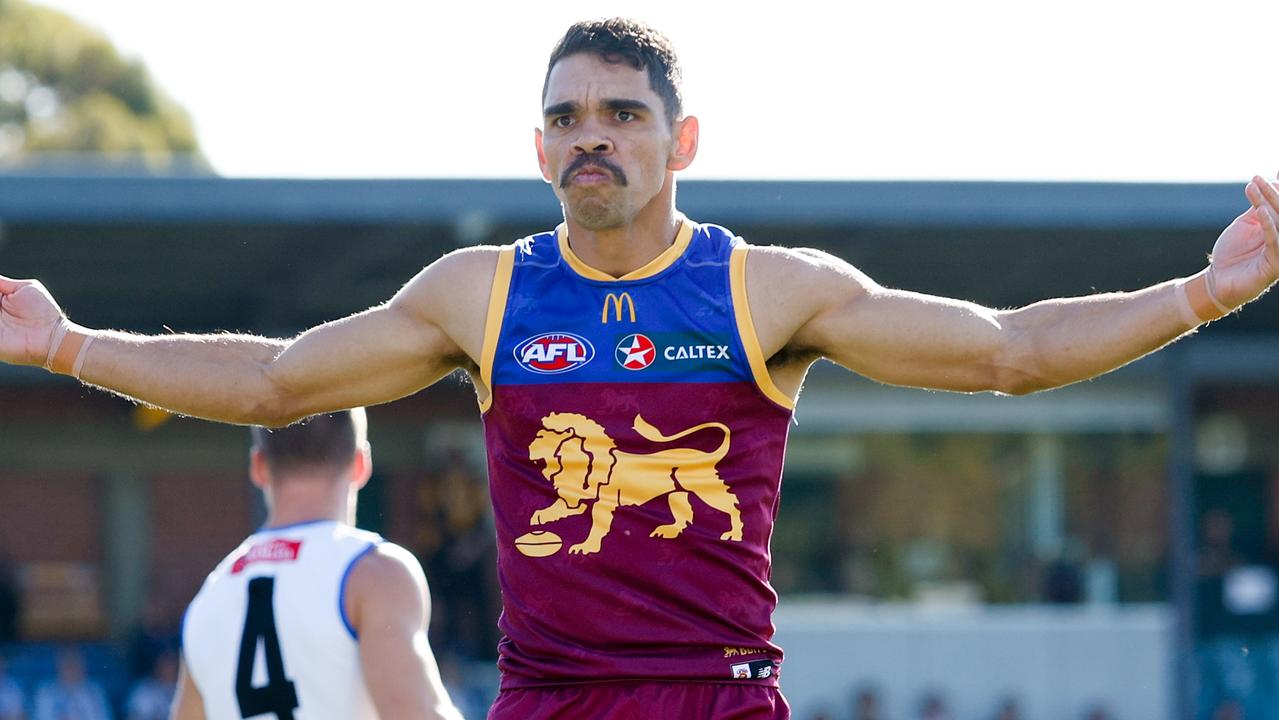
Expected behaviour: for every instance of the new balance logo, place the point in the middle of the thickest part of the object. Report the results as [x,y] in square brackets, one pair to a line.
[753,670]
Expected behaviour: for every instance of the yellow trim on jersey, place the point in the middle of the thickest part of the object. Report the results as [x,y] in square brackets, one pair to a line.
[493,323]
[746,329]
[653,267]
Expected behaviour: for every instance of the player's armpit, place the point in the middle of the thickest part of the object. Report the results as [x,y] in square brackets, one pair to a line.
[388,605]
[187,702]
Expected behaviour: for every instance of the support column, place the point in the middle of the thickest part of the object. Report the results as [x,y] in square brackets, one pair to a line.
[1047,497]
[127,532]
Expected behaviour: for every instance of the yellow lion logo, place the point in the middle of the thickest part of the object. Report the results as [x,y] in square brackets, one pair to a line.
[587,469]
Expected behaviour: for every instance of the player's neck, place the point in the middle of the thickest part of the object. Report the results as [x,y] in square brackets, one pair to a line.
[626,249]
[293,506]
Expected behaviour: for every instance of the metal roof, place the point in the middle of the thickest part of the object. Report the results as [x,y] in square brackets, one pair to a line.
[40,198]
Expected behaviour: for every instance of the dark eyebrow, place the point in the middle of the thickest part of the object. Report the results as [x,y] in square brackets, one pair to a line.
[564,108]
[616,104]
[612,104]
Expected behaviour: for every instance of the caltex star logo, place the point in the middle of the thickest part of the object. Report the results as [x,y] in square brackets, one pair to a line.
[636,352]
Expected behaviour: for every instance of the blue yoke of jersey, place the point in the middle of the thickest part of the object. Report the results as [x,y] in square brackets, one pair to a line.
[566,323]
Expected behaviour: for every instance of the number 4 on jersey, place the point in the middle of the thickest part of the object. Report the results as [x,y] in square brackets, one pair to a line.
[278,695]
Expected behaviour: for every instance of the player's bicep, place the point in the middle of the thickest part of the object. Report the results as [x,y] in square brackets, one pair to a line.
[187,701]
[425,332]
[371,357]
[901,337]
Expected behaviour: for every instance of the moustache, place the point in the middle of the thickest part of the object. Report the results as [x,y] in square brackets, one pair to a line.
[597,160]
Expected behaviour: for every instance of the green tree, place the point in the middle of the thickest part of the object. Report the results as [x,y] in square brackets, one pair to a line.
[65,89]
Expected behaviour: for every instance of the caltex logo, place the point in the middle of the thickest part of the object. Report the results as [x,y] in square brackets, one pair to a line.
[636,352]
[554,353]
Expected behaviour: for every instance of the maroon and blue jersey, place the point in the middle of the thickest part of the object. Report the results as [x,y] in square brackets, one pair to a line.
[635,446]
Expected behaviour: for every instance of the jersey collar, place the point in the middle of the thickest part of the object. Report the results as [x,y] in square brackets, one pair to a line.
[668,257]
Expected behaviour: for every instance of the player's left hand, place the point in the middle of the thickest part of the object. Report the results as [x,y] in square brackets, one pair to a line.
[1245,259]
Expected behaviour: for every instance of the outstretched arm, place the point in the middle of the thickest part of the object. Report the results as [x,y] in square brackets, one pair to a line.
[389,607]
[907,338]
[431,327]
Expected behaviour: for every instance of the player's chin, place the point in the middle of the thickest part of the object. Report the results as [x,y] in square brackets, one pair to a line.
[597,213]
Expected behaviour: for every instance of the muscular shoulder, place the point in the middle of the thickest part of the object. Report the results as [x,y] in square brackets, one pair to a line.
[452,294]
[387,585]
[790,268]
[468,272]
[387,563]
[787,287]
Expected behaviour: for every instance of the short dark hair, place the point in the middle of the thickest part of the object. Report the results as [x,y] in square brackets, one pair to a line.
[618,40]
[318,441]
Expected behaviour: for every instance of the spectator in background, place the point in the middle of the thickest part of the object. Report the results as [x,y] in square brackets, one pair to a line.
[1063,581]
[1228,710]
[72,695]
[866,705]
[155,635]
[934,708]
[1009,709]
[152,696]
[1098,712]
[12,700]
[457,541]
[10,602]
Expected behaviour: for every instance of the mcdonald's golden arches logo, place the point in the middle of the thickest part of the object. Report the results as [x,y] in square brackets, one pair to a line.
[616,301]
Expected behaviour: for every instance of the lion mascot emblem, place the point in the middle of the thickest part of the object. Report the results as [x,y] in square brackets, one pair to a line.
[588,471]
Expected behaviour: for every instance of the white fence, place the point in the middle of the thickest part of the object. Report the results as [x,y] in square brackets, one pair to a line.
[1056,661]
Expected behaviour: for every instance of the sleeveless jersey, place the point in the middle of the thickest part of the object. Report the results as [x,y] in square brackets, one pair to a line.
[267,636]
[635,446]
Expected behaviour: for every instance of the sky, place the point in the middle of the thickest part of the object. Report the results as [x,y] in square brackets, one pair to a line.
[1123,90]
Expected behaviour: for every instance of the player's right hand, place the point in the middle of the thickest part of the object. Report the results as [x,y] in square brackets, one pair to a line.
[28,317]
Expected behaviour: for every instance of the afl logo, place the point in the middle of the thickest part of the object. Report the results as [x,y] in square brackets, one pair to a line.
[636,352]
[554,353]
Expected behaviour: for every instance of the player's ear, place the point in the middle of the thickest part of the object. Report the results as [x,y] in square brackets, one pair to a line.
[541,155]
[362,466]
[259,469]
[684,143]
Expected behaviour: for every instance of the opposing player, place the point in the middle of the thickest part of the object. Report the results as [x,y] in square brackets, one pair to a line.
[636,372]
[310,617]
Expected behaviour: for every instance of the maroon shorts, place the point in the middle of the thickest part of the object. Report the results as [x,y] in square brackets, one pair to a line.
[642,701]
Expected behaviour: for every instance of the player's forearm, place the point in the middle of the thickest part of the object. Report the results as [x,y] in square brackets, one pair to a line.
[218,377]
[401,674]
[1058,342]
[368,358]
[437,694]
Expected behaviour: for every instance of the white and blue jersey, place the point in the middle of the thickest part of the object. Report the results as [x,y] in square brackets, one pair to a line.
[268,637]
